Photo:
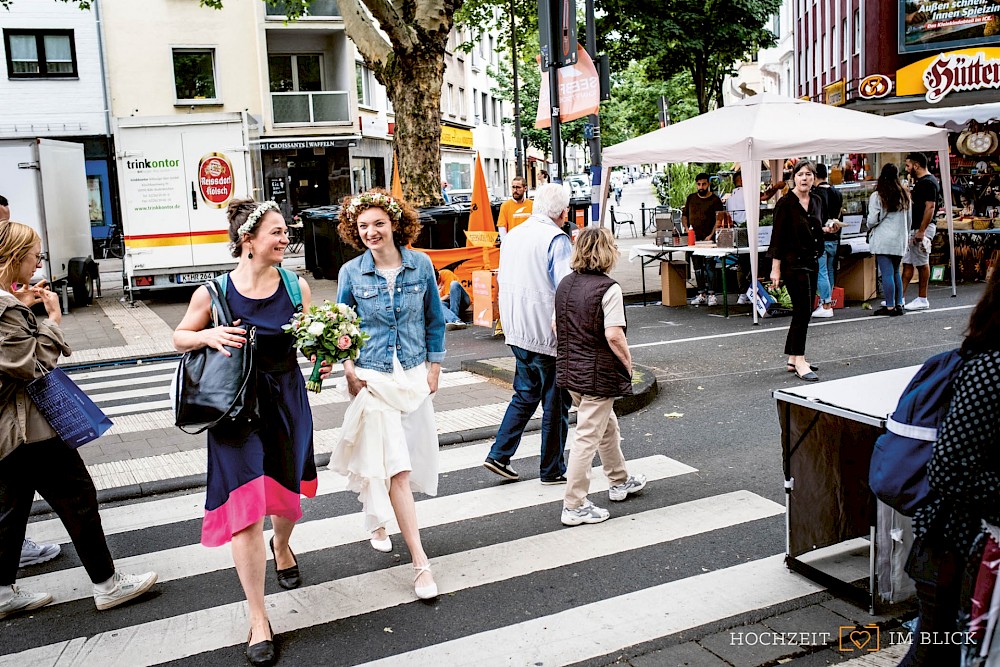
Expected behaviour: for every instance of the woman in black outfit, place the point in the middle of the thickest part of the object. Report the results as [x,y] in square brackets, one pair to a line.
[964,476]
[796,244]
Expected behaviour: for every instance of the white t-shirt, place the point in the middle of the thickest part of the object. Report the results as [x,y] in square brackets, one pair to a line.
[613,305]
[736,205]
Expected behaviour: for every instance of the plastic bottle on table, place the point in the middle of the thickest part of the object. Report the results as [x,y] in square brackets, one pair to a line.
[691,239]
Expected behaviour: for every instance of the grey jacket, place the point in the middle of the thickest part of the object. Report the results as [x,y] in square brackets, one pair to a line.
[888,233]
[25,344]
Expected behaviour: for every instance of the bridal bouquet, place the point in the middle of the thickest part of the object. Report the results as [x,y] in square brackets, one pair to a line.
[331,331]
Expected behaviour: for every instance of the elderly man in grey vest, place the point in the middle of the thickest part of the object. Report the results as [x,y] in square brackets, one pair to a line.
[534,257]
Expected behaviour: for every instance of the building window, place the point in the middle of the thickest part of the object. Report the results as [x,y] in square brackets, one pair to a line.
[363,84]
[776,25]
[845,35]
[826,58]
[475,105]
[451,99]
[835,43]
[857,31]
[486,109]
[458,175]
[33,54]
[299,73]
[461,102]
[194,74]
[496,112]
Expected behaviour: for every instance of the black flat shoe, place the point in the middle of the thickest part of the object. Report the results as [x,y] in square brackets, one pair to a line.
[288,578]
[261,654]
[808,377]
[883,312]
[791,368]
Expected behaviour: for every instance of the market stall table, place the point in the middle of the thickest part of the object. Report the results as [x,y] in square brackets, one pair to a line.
[649,253]
[828,432]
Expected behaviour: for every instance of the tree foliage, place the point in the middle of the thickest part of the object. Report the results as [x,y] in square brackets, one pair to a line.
[633,109]
[702,37]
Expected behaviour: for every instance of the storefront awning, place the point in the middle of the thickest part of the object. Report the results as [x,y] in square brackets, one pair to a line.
[953,118]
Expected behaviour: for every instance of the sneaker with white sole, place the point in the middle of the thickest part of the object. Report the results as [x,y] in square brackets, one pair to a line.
[588,512]
[127,587]
[712,301]
[744,300]
[699,300]
[23,601]
[455,326]
[920,303]
[633,484]
[33,553]
[823,312]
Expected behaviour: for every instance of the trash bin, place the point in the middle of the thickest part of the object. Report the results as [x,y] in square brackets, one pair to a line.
[579,214]
[324,251]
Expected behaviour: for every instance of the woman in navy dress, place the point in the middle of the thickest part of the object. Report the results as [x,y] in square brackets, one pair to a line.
[263,472]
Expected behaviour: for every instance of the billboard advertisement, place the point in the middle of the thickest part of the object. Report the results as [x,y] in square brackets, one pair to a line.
[940,25]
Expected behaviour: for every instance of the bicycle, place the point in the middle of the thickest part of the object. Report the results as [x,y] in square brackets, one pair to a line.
[114,243]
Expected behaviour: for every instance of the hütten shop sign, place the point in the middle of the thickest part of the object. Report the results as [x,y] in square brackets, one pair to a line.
[955,71]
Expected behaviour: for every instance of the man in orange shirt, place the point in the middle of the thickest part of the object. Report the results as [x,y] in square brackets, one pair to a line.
[451,292]
[515,210]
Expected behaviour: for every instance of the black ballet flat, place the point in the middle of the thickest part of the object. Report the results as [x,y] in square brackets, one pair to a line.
[808,377]
[261,654]
[288,578]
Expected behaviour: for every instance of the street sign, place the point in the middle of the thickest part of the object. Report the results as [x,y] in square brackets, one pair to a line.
[558,45]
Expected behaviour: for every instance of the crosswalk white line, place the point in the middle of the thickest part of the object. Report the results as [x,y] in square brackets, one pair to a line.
[191,506]
[334,391]
[164,368]
[192,560]
[586,632]
[211,629]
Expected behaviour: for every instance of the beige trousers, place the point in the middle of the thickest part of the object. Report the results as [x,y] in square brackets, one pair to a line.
[596,431]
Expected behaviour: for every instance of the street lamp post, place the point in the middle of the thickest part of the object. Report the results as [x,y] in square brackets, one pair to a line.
[519,156]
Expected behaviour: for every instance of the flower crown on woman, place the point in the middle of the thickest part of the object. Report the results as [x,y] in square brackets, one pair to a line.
[405,220]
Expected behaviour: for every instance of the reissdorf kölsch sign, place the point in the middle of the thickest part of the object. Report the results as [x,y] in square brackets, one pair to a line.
[215,180]
[938,76]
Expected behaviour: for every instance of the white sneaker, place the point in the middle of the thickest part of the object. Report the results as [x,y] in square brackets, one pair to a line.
[127,587]
[699,300]
[588,512]
[712,301]
[33,553]
[823,312]
[23,601]
[633,484]
[453,326]
[920,303]
[744,300]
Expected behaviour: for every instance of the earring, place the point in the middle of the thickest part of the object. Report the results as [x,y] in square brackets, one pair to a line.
[250,254]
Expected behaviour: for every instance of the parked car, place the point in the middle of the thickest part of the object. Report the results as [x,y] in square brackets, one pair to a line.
[579,185]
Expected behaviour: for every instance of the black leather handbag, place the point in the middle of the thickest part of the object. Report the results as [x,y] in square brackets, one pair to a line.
[214,390]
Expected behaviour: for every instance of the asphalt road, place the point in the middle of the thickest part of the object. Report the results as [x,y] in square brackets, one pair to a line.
[505,567]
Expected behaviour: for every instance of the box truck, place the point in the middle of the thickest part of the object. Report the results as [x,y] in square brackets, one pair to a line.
[177,175]
[45,182]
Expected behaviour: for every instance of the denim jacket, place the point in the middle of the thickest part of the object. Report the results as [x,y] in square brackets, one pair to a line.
[412,325]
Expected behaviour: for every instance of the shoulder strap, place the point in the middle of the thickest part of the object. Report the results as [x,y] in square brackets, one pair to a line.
[217,290]
[291,282]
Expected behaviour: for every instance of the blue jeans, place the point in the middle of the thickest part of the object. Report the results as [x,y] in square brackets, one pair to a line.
[534,383]
[458,296]
[892,282]
[827,264]
[704,273]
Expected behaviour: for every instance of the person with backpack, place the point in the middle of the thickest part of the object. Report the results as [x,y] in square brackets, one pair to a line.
[263,472]
[964,485]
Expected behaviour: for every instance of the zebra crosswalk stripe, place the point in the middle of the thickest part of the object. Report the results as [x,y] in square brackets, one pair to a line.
[194,559]
[211,629]
[163,511]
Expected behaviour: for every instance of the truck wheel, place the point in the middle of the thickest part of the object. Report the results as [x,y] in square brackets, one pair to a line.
[83,290]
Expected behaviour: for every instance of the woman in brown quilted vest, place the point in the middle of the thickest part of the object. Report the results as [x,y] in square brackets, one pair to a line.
[593,362]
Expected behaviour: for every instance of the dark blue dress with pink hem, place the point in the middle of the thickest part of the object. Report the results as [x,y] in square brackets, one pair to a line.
[266,472]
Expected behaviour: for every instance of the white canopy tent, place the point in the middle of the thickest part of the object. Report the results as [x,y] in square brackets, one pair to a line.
[953,118]
[772,127]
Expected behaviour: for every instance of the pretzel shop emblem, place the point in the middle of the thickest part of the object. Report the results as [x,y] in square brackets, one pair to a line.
[875,86]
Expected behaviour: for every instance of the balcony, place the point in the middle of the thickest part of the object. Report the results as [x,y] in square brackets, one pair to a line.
[318,9]
[330,107]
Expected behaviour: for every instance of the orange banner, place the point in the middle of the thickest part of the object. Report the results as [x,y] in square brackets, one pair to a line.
[463,261]
[579,91]
[396,188]
[481,215]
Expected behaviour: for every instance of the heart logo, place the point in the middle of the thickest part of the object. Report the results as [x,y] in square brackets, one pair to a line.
[861,638]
